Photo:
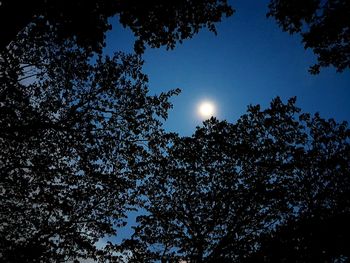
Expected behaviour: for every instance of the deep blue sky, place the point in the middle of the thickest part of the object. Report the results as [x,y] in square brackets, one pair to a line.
[250,61]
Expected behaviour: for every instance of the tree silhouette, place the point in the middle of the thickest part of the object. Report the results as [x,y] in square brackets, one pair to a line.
[76,136]
[155,22]
[323,25]
[215,195]
[82,145]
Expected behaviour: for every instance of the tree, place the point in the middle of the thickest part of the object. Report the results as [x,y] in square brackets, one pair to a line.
[156,22]
[323,25]
[319,232]
[215,195]
[76,136]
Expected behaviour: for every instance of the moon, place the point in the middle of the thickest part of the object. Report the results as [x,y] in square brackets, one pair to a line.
[206,109]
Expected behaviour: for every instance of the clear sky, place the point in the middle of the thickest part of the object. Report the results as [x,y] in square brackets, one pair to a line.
[250,61]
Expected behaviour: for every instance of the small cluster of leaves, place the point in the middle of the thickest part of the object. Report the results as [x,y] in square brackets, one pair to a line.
[164,23]
[324,27]
[219,195]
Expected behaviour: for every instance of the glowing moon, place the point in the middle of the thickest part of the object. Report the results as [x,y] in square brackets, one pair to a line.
[206,109]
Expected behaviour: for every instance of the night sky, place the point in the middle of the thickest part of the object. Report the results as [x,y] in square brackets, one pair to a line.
[250,61]
[74,163]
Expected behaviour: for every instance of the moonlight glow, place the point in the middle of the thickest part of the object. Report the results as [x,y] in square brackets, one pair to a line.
[206,109]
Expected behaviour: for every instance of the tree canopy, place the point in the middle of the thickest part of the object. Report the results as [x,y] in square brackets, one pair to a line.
[218,194]
[156,22]
[82,144]
[323,25]
[76,136]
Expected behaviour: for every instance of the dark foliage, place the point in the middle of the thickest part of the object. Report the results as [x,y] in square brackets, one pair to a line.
[75,137]
[81,145]
[323,237]
[154,22]
[216,196]
[323,25]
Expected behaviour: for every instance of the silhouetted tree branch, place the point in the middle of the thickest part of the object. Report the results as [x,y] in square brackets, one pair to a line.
[156,23]
[323,25]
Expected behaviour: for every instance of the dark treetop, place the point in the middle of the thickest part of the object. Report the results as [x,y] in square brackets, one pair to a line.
[154,22]
[75,138]
[323,25]
[231,191]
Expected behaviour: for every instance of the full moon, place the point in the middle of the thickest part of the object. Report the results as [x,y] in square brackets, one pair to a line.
[206,109]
